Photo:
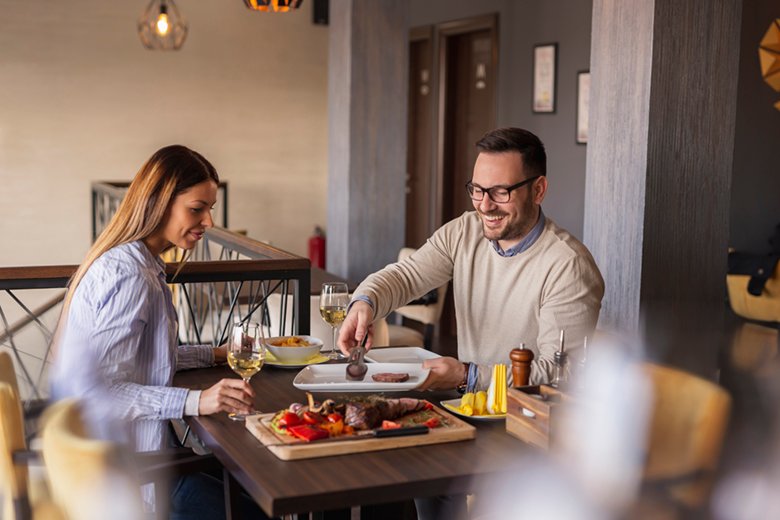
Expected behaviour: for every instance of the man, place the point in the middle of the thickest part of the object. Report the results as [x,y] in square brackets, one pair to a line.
[517,276]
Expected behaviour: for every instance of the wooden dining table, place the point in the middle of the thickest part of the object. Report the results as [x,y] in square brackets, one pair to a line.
[344,481]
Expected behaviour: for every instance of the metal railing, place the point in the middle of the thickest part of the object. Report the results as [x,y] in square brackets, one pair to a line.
[227,277]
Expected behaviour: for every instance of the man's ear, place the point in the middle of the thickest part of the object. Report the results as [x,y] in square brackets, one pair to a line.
[540,189]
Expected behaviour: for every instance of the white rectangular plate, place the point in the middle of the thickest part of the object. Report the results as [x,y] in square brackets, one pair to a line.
[400,355]
[333,378]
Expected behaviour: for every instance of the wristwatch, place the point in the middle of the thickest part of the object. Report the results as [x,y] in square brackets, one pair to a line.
[463,386]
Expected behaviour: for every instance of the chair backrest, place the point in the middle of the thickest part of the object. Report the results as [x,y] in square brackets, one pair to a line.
[89,479]
[762,308]
[319,329]
[427,314]
[690,417]
[13,477]
[7,372]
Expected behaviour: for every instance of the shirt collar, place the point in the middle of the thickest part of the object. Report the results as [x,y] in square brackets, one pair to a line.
[526,242]
[151,257]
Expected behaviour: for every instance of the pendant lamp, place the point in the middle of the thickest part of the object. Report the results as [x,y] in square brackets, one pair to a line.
[161,26]
[277,6]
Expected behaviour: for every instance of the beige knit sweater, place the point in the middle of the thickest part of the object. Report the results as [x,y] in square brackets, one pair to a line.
[501,302]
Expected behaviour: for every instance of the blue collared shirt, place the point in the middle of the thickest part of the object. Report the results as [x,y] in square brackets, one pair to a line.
[119,349]
[527,240]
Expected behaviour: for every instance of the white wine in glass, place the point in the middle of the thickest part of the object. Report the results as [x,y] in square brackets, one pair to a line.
[246,354]
[334,299]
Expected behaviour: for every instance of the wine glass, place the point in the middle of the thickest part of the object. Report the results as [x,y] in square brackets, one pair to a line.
[334,299]
[246,354]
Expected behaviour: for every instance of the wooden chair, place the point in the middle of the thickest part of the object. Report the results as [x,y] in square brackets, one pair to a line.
[764,308]
[690,417]
[428,315]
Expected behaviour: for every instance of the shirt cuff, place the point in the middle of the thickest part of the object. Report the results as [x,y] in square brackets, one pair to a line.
[192,402]
[362,298]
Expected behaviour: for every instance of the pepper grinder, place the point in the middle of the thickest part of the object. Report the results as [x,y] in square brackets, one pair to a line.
[521,365]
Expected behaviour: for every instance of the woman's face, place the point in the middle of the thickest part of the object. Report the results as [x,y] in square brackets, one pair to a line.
[189,215]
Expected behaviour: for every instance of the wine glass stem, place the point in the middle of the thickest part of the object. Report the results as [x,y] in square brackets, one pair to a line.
[333,352]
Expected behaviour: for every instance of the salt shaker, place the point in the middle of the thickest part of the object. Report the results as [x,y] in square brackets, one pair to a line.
[561,359]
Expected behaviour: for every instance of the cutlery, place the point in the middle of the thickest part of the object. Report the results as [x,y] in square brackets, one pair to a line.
[356,369]
[420,429]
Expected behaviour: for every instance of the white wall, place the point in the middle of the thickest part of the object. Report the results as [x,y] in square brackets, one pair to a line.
[82,100]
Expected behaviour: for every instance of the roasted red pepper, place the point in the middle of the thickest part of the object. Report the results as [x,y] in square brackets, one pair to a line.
[390,425]
[289,419]
[311,417]
[335,417]
[307,433]
[433,422]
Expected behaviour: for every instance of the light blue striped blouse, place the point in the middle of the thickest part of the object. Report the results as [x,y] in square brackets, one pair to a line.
[119,349]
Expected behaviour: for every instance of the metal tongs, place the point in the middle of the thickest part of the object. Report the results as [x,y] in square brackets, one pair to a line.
[356,369]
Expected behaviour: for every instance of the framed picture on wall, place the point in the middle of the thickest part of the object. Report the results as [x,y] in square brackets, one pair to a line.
[583,99]
[545,57]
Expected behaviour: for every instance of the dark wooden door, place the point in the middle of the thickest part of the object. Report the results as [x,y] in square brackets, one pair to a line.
[452,103]
[468,67]
[419,171]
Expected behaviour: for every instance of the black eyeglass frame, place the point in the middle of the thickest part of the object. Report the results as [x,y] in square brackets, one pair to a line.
[509,189]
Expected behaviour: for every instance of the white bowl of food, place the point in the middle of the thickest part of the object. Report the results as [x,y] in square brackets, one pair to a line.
[293,349]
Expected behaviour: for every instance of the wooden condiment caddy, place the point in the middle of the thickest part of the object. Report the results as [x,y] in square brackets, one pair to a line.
[533,412]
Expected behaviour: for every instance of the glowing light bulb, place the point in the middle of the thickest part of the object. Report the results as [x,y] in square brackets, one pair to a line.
[162,24]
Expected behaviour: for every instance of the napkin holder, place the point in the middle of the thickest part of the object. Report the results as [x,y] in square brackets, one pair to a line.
[534,414]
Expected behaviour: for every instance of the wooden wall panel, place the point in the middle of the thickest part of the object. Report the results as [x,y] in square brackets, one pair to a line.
[659,169]
[621,61]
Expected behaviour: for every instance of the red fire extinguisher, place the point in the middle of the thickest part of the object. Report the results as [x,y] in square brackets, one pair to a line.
[317,248]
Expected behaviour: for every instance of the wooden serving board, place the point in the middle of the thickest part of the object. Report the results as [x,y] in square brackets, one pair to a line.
[290,448]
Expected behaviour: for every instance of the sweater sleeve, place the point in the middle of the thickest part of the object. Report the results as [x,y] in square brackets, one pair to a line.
[397,284]
[570,301]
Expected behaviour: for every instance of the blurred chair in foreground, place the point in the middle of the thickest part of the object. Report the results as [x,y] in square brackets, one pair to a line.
[95,479]
[426,313]
[689,420]
[24,491]
[89,478]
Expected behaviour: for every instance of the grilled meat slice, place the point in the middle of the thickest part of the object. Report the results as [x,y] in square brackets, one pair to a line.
[368,414]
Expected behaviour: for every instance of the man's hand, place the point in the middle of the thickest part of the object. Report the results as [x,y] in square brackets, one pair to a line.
[446,373]
[355,326]
[229,395]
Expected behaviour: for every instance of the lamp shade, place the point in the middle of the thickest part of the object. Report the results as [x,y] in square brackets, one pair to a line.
[769,55]
[162,27]
[277,6]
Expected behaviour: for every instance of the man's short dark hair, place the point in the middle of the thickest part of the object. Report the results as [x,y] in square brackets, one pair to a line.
[517,140]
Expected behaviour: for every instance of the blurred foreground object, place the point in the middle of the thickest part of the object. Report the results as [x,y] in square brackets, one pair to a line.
[689,421]
[89,478]
[22,491]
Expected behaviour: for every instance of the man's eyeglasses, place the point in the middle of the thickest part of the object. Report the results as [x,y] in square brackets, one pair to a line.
[499,194]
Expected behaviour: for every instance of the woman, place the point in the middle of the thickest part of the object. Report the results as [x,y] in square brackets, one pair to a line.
[117,345]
